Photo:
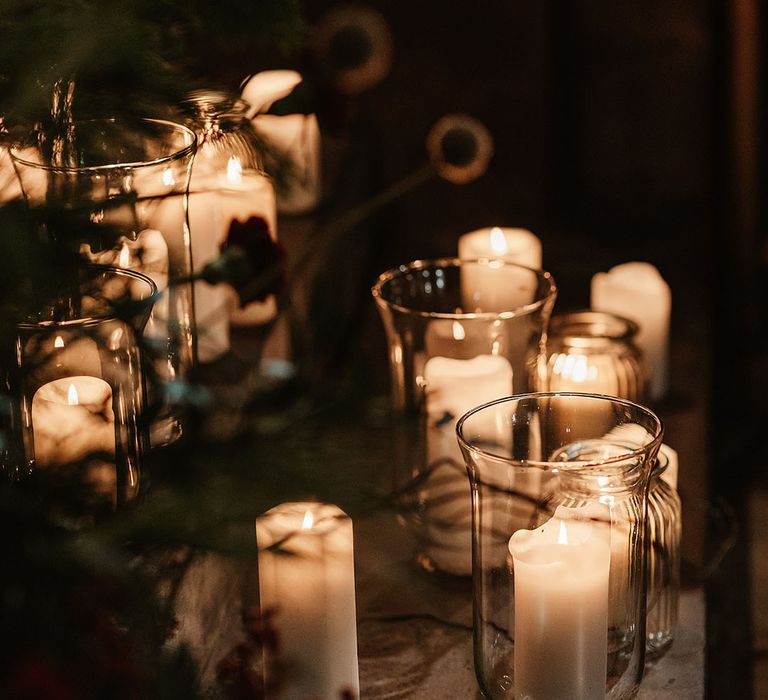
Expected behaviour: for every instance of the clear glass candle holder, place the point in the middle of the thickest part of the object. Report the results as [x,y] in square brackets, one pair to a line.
[460,334]
[665,532]
[558,543]
[228,183]
[593,352]
[116,192]
[77,390]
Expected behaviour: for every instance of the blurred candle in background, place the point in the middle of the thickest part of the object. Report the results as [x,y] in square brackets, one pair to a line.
[638,292]
[217,197]
[294,137]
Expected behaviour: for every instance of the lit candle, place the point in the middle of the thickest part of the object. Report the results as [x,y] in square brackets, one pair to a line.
[561,573]
[517,245]
[453,387]
[215,200]
[296,137]
[72,418]
[592,374]
[306,574]
[147,254]
[638,292]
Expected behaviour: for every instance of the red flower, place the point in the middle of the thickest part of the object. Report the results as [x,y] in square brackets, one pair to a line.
[251,261]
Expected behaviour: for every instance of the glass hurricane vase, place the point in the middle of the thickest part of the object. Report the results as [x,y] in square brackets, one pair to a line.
[116,192]
[558,544]
[460,334]
[77,391]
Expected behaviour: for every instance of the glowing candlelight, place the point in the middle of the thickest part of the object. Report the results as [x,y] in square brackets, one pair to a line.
[561,573]
[310,584]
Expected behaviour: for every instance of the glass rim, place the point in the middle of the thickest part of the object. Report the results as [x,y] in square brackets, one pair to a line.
[423,264]
[560,323]
[95,319]
[176,155]
[574,467]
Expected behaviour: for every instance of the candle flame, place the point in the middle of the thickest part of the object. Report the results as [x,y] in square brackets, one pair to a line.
[234,169]
[168,179]
[458,331]
[309,520]
[498,241]
[72,396]
[58,342]
[125,256]
[562,537]
[575,367]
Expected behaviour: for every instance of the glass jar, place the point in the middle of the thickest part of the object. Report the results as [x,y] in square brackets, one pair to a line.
[558,544]
[665,532]
[77,391]
[460,334]
[228,183]
[593,352]
[116,191]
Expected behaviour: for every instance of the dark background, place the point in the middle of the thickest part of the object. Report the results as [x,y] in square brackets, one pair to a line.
[623,131]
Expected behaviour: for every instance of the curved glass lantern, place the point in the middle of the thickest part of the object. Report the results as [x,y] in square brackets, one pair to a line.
[78,393]
[594,352]
[228,183]
[116,191]
[558,543]
[460,334]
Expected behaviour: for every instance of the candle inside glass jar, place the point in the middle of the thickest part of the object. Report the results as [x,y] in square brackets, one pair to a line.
[216,199]
[561,572]
[72,419]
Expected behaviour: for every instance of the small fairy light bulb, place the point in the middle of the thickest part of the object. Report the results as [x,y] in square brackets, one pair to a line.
[58,342]
[309,520]
[458,331]
[498,241]
[168,179]
[125,256]
[72,399]
[562,536]
[234,170]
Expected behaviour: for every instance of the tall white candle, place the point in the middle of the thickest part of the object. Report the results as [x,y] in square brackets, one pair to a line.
[306,574]
[452,388]
[561,573]
[215,200]
[296,137]
[517,245]
[638,292]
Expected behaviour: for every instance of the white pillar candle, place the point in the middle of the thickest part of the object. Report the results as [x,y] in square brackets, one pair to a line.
[452,388]
[148,254]
[306,574]
[295,137]
[638,292]
[215,200]
[561,573]
[517,245]
[72,418]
